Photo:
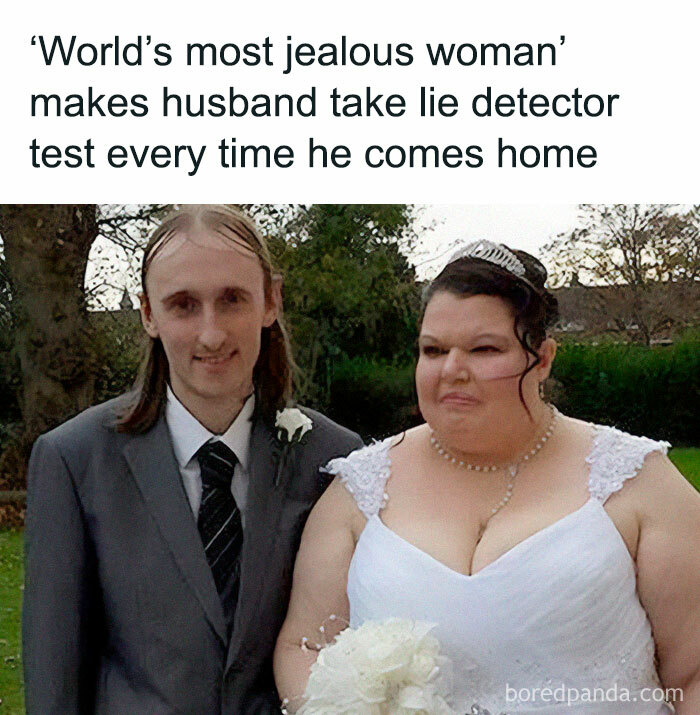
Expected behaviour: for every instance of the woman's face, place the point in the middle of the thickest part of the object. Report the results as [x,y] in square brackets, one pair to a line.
[470,364]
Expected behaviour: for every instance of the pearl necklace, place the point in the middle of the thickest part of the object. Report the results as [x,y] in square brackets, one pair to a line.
[513,468]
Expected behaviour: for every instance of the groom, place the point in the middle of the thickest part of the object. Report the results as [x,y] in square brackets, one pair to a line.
[162,526]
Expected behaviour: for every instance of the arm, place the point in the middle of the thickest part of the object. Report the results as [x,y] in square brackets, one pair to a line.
[58,666]
[668,562]
[319,588]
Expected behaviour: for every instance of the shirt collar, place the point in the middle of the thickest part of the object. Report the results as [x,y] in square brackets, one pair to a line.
[188,434]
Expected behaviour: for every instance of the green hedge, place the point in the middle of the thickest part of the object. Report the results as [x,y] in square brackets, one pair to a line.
[649,391]
[376,399]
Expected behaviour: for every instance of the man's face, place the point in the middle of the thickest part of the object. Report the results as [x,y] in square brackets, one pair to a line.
[206,302]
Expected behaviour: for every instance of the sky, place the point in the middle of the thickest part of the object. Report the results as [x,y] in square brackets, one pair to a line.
[524,226]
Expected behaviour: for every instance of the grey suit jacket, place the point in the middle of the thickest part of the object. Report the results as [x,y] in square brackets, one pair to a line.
[121,614]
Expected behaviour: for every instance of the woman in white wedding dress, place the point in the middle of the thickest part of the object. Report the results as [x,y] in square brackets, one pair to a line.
[559,560]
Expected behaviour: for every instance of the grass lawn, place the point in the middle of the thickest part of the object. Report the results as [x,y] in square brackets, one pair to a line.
[11,580]
[12,577]
[688,462]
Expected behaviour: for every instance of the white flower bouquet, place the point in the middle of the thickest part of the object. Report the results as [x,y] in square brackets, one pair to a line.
[391,667]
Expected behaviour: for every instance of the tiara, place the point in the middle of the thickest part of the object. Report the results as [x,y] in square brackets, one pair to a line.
[493,253]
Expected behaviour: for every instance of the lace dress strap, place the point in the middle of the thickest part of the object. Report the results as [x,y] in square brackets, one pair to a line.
[364,473]
[616,457]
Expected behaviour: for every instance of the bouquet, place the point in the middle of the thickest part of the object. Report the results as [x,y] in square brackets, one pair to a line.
[391,667]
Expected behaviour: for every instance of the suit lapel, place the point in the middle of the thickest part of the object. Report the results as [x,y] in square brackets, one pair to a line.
[263,511]
[152,462]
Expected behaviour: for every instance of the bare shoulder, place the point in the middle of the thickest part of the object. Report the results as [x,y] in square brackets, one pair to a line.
[662,494]
[575,431]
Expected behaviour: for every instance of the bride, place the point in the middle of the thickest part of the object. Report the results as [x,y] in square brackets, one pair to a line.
[560,560]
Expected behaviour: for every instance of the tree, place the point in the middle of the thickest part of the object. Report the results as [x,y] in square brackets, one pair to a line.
[647,255]
[43,307]
[349,290]
[46,251]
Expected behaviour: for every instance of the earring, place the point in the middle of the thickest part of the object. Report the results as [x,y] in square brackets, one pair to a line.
[542,390]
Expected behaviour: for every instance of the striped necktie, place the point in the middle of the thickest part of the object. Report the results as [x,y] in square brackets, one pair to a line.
[219,522]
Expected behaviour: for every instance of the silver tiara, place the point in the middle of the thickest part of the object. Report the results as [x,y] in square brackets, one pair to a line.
[493,253]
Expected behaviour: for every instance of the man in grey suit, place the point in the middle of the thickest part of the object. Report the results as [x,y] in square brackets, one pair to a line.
[162,526]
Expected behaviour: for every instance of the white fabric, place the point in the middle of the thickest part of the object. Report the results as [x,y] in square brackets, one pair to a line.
[364,473]
[559,610]
[188,434]
[616,457]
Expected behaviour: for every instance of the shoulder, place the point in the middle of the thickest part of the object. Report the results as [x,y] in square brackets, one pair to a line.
[617,456]
[660,492]
[373,457]
[90,435]
[364,473]
[87,438]
[97,420]
[327,436]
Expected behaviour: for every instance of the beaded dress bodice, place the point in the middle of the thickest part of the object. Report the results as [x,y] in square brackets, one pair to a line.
[556,616]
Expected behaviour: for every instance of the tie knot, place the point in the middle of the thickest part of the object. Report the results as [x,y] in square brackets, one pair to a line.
[217,463]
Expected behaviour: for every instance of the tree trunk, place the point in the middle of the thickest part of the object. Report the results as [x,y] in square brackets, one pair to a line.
[46,251]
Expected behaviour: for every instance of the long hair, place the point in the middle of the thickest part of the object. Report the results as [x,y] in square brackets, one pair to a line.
[272,374]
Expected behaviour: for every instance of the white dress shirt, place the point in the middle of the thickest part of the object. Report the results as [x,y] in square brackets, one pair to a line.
[188,435]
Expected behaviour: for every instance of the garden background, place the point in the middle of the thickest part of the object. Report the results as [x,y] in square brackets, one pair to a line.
[627,278]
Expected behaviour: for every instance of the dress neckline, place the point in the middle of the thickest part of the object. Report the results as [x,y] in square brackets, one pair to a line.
[513,550]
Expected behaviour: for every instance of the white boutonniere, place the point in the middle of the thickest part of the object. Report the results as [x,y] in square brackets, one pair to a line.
[292,424]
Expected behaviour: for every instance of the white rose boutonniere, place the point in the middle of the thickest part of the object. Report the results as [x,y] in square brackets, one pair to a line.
[292,424]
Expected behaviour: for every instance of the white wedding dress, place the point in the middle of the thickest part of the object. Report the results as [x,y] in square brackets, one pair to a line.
[558,611]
